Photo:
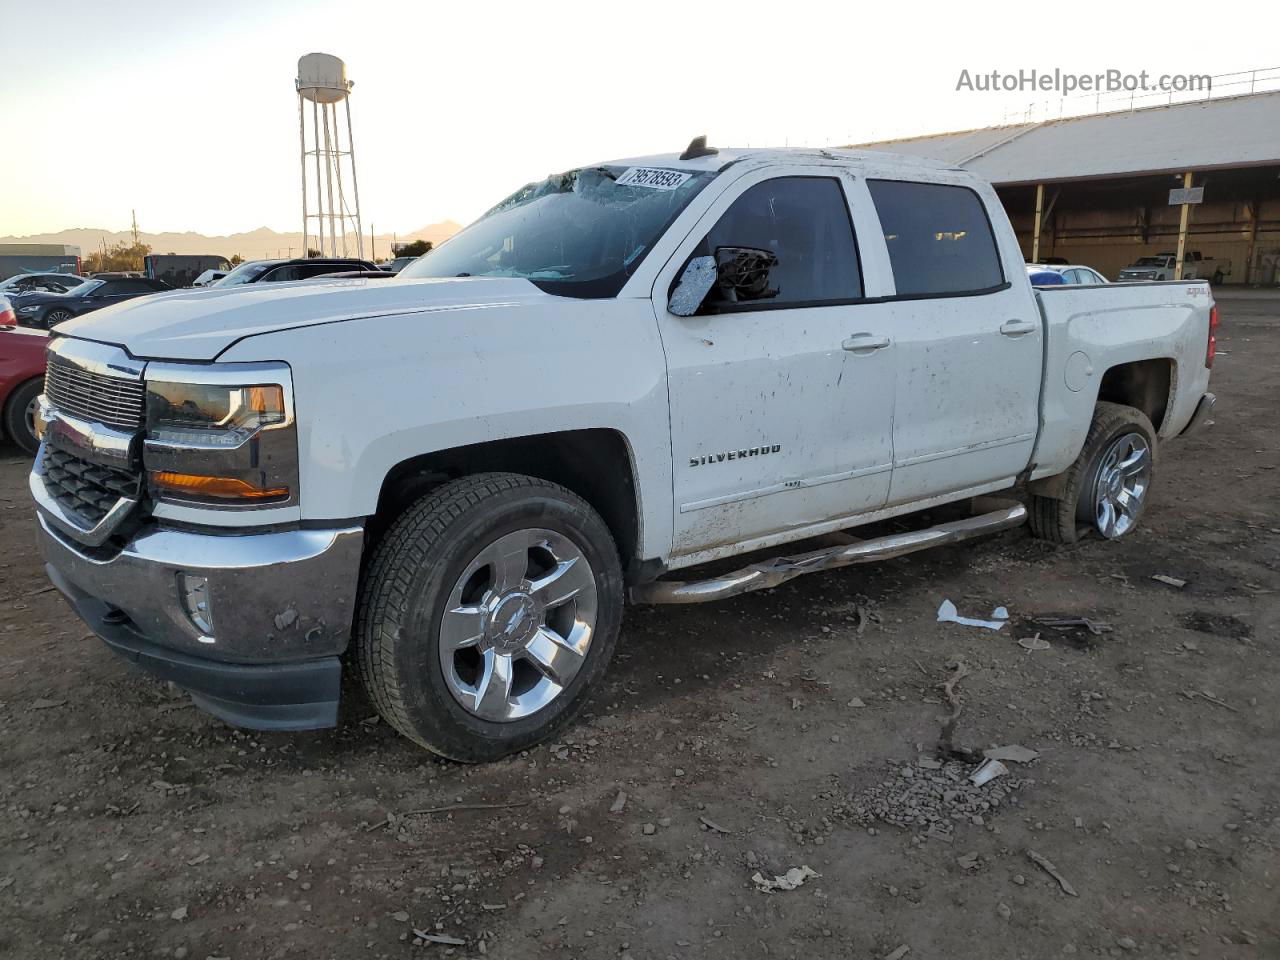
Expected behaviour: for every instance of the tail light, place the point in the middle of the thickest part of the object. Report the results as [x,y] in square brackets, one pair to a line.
[1212,346]
[7,317]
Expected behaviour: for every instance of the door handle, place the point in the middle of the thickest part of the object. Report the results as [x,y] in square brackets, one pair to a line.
[1017,328]
[866,343]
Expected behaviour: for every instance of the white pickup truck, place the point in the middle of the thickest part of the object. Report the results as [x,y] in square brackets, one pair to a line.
[1164,266]
[454,480]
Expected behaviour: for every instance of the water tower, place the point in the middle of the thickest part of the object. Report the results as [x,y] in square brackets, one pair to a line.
[330,215]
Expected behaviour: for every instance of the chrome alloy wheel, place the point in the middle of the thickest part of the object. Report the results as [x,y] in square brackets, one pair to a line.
[29,415]
[1124,476]
[518,624]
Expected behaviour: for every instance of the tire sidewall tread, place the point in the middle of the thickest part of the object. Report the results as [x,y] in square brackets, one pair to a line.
[407,583]
[1065,520]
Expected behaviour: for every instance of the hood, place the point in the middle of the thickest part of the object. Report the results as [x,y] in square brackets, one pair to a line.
[200,324]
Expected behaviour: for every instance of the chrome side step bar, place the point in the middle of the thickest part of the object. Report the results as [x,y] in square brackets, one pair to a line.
[778,570]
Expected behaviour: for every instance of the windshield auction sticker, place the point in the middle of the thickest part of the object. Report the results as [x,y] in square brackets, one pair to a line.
[652,177]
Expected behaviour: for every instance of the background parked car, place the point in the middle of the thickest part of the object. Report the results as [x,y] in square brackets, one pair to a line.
[398,264]
[181,270]
[33,282]
[1195,266]
[1042,277]
[21,379]
[46,309]
[209,278]
[300,268]
[1070,272]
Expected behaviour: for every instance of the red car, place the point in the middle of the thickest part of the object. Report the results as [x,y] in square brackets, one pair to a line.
[21,378]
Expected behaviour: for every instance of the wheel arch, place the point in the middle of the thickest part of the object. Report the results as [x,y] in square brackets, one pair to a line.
[1145,385]
[6,404]
[597,464]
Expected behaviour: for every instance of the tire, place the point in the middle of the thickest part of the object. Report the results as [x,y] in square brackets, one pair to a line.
[18,424]
[1218,278]
[54,317]
[450,607]
[1080,510]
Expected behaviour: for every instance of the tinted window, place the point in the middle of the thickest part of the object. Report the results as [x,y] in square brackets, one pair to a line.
[133,287]
[320,269]
[110,288]
[281,274]
[784,242]
[939,238]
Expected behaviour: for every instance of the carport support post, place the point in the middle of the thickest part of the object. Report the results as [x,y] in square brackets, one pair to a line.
[1182,229]
[1035,231]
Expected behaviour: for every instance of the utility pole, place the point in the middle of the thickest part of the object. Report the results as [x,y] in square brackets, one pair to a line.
[135,226]
[373,248]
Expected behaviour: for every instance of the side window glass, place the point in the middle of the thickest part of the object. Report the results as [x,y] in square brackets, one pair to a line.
[786,242]
[939,238]
[281,274]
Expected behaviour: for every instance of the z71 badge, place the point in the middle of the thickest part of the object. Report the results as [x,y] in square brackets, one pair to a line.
[759,451]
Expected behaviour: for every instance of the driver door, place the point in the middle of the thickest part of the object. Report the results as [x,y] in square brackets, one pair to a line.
[781,387]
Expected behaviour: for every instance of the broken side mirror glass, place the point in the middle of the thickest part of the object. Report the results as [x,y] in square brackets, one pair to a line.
[742,273]
[696,281]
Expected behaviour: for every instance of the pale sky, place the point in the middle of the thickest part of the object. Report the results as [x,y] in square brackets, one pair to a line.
[187,112]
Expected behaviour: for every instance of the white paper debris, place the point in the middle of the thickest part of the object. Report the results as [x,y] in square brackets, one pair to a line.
[793,878]
[947,613]
[1014,753]
[987,771]
[1171,581]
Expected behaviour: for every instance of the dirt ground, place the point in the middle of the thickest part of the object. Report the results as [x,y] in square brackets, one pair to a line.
[758,734]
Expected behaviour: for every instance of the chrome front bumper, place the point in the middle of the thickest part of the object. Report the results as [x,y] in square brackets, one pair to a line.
[282,606]
[273,596]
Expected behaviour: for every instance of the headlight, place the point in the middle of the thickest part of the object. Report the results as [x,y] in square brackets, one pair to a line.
[221,436]
[27,311]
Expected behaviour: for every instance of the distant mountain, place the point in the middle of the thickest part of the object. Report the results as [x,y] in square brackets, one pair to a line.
[252,245]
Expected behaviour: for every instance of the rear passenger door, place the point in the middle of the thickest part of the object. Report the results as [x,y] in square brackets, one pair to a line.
[969,341]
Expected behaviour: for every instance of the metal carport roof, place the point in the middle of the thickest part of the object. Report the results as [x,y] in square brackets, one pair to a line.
[1199,135]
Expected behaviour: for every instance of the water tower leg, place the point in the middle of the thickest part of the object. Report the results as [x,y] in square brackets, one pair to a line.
[355,182]
[315,136]
[302,152]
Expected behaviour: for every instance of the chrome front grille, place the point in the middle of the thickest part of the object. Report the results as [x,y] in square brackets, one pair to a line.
[86,489]
[95,396]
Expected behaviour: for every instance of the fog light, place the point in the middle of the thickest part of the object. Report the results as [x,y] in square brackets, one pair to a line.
[198,604]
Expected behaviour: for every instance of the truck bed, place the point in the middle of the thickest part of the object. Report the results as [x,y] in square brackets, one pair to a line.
[1090,330]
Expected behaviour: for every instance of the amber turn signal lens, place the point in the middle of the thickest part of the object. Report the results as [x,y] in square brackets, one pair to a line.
[221,488]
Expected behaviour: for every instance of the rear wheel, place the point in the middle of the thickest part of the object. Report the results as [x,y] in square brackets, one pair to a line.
[486,612]
[54,317]
[1107,488]
[20,415]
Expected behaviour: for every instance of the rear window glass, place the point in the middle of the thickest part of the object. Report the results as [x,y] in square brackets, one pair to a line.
[939,238]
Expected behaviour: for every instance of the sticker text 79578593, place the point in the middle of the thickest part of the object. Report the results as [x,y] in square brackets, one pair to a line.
[652,177]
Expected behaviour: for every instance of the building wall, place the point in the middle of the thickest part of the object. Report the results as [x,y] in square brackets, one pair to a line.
[1108,225]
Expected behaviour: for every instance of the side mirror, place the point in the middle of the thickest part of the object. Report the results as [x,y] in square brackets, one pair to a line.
[695,282]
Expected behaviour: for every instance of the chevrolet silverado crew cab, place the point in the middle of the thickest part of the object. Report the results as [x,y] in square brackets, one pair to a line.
[453,481]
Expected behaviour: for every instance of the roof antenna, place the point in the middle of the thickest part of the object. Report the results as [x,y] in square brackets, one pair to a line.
[698,148]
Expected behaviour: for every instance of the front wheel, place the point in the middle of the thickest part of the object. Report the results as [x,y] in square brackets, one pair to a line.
[55,317]
[486,612]
[1107,488]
